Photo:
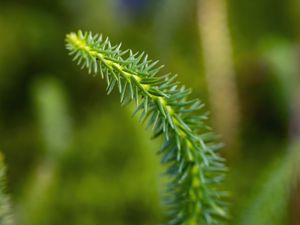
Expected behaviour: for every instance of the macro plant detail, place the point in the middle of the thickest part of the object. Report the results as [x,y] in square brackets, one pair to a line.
[194,194]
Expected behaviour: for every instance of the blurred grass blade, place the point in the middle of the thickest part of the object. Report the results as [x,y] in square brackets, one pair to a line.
[271,202]
[53,117]
[5,209]
[51,104]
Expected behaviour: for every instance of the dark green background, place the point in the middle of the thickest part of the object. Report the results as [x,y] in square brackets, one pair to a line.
[74,156]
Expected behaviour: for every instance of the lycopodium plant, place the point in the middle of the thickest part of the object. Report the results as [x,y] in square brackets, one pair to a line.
[194,195]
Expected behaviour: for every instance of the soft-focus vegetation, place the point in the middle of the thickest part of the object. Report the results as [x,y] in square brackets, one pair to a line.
[73,156]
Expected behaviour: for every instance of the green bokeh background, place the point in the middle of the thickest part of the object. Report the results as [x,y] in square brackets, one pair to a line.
[74,156]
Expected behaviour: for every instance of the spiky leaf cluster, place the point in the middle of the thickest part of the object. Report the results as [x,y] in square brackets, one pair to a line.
[194,195]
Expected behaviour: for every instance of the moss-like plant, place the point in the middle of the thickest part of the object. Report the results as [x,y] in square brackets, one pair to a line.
[194,194]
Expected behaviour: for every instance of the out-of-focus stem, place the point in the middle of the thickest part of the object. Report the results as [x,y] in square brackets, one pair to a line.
[55,125]
[217,51]
[295,190]
[6,215]
[294,133]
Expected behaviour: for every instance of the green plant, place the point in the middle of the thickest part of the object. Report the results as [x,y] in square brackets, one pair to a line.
[271,199]
[194,194]
[5,211]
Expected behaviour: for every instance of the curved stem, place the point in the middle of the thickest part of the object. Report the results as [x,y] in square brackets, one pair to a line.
[194,195]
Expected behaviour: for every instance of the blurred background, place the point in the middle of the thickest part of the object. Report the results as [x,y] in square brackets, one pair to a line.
[74,156]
